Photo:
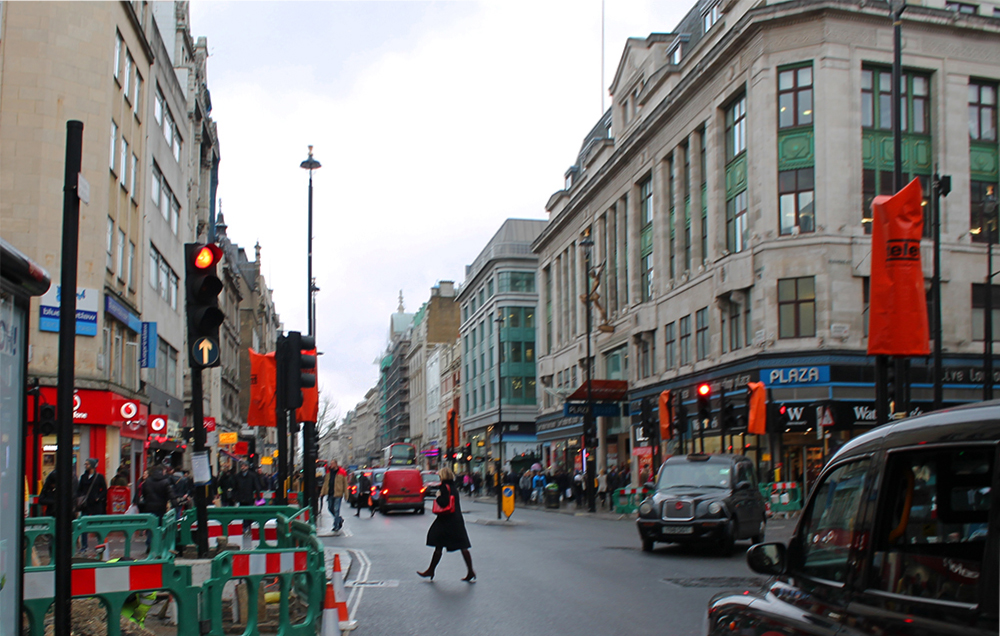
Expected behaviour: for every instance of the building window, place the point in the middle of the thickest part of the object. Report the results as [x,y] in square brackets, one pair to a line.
[672,217]
[795,97]
[979,312]
[962,7]
[687,207]
[117,62]
[685,328]
[796,200]
[675,56]
[111,244]
[797,307]
[710,18]
[645,362]
[703,164]
[736,132]
[879,182]
[982,111]
[174,281]
[734,327]
[701,333]
[131,266]
[158,107]
[737,230]
[114,144]
[876,101]
[133,169]
[124,162]
[137,87]
[171,386]
[517,282]
[646,238]
[127,83]
[983,209]
[670,341]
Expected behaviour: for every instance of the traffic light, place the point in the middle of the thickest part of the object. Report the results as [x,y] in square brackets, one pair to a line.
[704,399]
[203,287]
[682,417]
[727,414]
[647,419]
[468,452]
[299,368]
[46,419]
[782,416]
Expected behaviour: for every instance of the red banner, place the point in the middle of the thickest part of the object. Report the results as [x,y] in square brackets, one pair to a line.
[262,389]
[666,410]
[757,415]
[897,314]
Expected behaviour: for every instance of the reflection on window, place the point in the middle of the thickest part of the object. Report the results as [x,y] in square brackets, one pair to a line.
[827,530]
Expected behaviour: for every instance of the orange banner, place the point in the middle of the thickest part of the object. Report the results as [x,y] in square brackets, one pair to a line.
[897,314]
[757,413]
[309,410]
[262,389]
[666,408]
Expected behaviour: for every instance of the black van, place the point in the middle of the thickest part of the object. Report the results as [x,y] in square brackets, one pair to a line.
[898,537]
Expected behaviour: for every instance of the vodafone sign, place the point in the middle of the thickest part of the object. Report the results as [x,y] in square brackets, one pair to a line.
[157,424]
[129,410]
[104,408]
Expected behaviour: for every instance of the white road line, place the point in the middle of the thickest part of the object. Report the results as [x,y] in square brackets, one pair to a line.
[364,569]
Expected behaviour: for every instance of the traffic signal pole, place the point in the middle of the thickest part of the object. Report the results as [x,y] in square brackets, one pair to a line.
[281,418]
[200,492]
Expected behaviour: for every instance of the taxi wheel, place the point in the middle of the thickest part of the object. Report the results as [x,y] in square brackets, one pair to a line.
[728,540]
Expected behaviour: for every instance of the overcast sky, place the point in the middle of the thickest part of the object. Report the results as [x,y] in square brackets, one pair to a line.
[434,122]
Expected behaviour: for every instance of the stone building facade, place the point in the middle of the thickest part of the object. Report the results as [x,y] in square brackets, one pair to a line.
[727,193]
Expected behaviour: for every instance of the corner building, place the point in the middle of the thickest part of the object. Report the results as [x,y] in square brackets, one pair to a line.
[727,192]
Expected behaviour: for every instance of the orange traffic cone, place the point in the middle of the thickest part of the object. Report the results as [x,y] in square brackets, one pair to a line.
[346,624]
[331,622]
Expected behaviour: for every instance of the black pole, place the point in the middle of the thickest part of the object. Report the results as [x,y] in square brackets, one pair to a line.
[309,266]
[902,380]
[36,464]
[936,187]
[589,429]
[200,492]
[499,321]
[988,318]
[63,549]
[281,421]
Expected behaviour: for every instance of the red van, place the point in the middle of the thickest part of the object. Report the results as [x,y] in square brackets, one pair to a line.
[402,488]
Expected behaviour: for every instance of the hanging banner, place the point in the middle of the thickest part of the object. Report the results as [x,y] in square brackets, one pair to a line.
[757,416]
[897,323]
[666,412]
[262,389]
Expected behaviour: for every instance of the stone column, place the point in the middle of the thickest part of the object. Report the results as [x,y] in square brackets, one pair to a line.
[716,188]
[661,229]
[634,248]
[694,147]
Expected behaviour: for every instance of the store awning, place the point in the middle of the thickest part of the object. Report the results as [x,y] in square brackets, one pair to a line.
[168,445]
[602,391]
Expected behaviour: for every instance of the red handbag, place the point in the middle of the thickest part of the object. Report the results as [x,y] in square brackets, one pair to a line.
[444,510]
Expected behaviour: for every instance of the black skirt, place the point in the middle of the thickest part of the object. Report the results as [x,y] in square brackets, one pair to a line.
[448,530]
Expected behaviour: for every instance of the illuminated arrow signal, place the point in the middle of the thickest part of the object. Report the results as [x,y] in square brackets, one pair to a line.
[204,353]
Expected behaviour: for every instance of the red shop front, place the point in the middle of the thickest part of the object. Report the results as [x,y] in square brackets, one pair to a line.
[106,425]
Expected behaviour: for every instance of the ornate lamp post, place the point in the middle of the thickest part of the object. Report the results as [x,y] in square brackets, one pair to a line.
[589,434]
[309,448]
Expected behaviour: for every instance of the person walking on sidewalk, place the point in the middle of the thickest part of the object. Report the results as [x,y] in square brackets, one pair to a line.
[334,487]
[538,487]
[364,492]
[448,530]
[602,486]
[246,489]
[92,494]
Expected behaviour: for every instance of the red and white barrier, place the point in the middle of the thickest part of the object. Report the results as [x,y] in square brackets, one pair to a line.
[96,580]
[235,529]
[340,597]
[246,564]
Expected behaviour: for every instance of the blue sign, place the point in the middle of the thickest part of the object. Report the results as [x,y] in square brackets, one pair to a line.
[147,346]
[601,409]
[122,314]
[795,376]
[87,301]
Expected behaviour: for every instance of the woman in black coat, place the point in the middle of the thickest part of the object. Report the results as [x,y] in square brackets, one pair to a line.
[448,530]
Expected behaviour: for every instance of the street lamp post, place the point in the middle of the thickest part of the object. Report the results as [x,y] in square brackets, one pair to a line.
[941,186]
[499,321]
[309,428]
[588,419]
[989,224]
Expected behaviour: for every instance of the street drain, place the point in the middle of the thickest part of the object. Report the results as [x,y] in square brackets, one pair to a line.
[719,581]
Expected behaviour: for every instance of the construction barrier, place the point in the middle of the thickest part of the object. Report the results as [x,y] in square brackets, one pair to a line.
[228,521]
[159,538]
[785,496]
[627,500]
[112,583]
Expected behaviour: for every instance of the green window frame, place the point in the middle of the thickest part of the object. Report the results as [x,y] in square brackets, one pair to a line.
[646,237]
[737,228]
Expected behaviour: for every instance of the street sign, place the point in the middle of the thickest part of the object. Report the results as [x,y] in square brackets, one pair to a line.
[209,424]
[601,409]
[204,352]
[229,438]
[158,424]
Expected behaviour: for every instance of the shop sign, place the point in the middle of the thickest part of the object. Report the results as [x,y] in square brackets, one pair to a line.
[228,438]
[122,314]
[87,302]
[603,409]
[642,451]
[241,448]
[157,424]
[209,424]
[563,422]
[133,418]
[794,376]
[147,346]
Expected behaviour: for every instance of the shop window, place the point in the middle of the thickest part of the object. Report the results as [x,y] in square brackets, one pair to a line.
[983,212]
[797,307]
[931,532]
[979,312]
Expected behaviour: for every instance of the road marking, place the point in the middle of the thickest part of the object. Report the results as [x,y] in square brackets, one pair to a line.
[354,597]
[372,584]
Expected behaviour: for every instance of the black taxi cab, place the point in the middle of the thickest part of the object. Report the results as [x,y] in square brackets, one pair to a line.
[898,537]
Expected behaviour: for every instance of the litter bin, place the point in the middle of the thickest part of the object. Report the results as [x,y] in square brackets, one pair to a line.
[552,496]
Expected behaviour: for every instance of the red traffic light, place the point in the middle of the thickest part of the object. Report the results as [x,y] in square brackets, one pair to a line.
[206,256]
[782,409]
[704,389]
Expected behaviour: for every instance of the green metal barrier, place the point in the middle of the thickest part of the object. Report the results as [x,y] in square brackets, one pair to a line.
[160,537]
[225,516]
[627,500]
[785,496]
[113,583]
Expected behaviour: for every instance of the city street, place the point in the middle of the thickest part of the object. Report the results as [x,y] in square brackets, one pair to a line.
[548,573]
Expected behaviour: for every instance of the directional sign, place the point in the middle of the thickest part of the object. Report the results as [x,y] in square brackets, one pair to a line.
[204,352]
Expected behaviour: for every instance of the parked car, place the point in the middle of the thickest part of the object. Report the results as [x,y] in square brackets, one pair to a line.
[401,489]
[897,537]
[702,497]
[432,483]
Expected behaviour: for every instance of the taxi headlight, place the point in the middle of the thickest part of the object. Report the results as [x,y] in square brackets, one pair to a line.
[715,507]
[645,508]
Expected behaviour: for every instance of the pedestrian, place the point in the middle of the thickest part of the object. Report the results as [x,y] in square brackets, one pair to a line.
[184,490]
[525,485]
[121,477]
[538,487]
[246,489]
[47,498]
[364,492]
[602,486]
[91,494]
[334,487]
[448,530]
[226,484]
[157,491]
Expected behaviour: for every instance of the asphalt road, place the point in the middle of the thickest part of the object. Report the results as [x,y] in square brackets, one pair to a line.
[549,574]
